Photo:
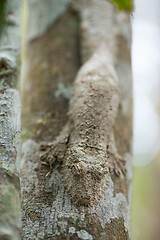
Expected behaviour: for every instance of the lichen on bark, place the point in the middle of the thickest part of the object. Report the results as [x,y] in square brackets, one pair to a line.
[10,219]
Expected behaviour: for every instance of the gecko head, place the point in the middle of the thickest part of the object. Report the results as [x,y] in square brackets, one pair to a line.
[85,181]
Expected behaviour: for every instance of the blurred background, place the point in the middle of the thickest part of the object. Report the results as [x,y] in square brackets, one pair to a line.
[145,218]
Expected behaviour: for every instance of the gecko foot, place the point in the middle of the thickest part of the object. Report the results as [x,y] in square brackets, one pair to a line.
[117,164]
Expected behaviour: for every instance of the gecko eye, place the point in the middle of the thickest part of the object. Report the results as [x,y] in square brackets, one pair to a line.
[100,172]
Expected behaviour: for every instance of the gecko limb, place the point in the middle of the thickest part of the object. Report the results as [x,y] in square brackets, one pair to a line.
[55,151]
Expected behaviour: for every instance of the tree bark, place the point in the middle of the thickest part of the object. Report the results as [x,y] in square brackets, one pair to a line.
[87,136]
[10,221]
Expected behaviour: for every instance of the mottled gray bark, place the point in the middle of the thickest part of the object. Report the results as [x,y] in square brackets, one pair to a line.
[86,194]
[10,223]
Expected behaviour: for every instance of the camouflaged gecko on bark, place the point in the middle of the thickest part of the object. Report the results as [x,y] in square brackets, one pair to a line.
[86,146]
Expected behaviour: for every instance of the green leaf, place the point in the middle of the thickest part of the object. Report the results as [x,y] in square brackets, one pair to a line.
[124,4]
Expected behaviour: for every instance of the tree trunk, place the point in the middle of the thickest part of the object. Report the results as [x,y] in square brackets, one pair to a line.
[76,172]
[10,224]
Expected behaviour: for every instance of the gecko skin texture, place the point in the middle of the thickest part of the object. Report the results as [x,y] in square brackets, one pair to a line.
[93,110]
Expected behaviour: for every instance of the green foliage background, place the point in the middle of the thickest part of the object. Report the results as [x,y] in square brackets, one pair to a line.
[124,4]
[2,6]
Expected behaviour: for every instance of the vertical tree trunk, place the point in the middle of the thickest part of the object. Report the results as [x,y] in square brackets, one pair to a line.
[10,224]
[87,193]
